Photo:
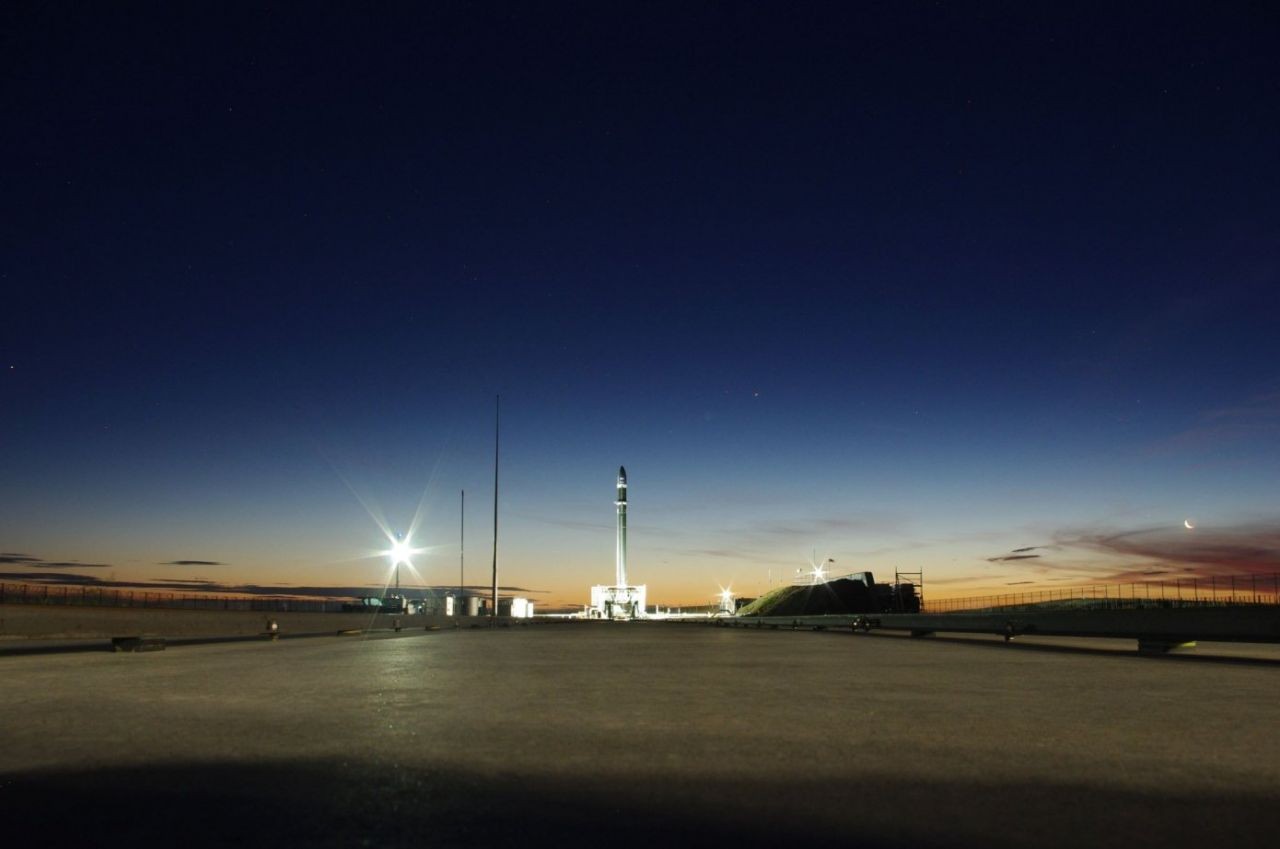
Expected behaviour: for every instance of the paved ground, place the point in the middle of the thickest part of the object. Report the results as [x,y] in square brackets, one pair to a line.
[630,733]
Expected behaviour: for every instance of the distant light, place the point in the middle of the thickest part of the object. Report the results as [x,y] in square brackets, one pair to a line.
[401,551]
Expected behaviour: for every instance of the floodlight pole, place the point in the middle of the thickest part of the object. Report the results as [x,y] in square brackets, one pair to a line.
[497,417]
[462,547]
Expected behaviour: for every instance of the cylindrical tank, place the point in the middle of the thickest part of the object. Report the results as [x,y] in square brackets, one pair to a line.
[473,606]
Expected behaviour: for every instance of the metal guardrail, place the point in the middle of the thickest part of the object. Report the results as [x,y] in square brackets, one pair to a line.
[1160,615]
[1154,628]
[1226,590]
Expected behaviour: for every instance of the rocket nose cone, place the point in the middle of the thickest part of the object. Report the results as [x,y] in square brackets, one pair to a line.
[622,473]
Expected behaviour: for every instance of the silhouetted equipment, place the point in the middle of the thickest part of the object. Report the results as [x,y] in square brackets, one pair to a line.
[364,604]
[856,593]
[908,594]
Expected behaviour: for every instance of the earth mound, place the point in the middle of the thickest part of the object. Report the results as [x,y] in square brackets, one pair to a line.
[839,596]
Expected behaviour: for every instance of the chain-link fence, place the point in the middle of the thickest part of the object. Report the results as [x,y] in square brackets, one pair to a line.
[103,597]
[1214,591]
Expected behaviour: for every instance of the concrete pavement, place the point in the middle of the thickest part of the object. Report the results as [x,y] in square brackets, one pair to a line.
[631,733]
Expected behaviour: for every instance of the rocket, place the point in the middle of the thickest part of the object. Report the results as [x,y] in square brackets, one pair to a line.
[622,527]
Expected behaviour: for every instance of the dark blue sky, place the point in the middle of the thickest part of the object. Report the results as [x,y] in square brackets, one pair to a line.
[905,283]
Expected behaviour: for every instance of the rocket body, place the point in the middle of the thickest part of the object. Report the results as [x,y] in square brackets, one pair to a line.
[621,575]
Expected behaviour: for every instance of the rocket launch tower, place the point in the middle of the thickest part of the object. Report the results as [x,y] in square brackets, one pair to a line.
[621,503]
[622,600]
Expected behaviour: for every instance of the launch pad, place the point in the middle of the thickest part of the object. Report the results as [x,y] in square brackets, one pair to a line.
[617,602]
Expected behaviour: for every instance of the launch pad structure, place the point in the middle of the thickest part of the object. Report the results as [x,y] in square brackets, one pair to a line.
[622,600]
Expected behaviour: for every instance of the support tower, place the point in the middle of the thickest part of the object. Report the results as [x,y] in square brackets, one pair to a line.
[621,575]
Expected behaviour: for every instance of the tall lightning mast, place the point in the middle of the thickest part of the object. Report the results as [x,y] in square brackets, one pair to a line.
[622,527]
[462,546]
[497,417]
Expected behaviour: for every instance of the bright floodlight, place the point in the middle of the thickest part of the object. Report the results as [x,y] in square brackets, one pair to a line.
[399,553]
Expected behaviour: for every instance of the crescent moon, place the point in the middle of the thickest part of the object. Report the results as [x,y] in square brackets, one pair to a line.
[1186,523]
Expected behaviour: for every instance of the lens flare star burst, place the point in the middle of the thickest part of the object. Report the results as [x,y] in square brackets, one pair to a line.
[401,551]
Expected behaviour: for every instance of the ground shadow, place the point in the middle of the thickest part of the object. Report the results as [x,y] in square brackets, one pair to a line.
[332,803]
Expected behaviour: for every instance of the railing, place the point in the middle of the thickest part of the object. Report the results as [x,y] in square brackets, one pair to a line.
[1178,592]
[102,597]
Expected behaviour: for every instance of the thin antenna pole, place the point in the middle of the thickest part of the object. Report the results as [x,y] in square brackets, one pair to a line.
[497,417]
[462,550]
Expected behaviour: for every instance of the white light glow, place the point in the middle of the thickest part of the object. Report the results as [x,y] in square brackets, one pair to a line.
[402,551]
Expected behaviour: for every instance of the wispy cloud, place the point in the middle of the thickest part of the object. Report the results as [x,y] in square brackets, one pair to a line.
[15,559]
[1139,554]
[731,553]
[1257,418]
[826,526]
[193,563]
[775,541]
[965,579]
[1239,549]
[54,578]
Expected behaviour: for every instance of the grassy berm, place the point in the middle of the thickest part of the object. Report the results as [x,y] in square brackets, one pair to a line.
[838,596]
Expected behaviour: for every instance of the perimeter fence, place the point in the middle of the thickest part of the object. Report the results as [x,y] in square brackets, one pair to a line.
[1221,591]
[103,597]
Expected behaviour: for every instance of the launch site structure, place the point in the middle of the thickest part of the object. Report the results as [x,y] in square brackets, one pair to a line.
[622,600]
